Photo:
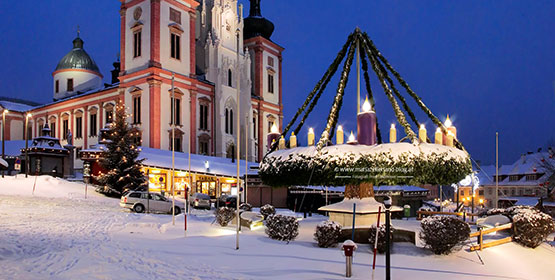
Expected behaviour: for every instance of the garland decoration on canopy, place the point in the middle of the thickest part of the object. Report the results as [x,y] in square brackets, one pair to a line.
[316,92]
[397,163]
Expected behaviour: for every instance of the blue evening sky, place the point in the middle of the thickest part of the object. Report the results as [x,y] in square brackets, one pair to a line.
[489,64]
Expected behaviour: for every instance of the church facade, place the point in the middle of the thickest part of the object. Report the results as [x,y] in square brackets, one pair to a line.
[188,44]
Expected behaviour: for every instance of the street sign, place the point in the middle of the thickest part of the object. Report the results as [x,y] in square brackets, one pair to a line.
[17,165]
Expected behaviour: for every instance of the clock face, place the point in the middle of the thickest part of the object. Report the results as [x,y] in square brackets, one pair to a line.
[137,13]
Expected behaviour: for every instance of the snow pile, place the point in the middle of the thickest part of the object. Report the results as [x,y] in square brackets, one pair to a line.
[46,186]
[327,233]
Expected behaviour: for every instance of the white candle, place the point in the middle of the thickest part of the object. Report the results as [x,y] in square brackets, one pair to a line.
[392,134]
[281,144]
[293,140]
[439,136]
[310,136]
[339,135]
[450,137]
[422,133]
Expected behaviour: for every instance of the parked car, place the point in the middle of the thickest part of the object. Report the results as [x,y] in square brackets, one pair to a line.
[220,202]
[200,200]
[138,202]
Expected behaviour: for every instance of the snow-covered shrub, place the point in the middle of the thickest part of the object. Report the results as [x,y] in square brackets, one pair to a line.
[327,233]
[245,207]
[496,211]
[515,210]
[280,227]
[427,208]
[224,215]
[442,233]
[381,237]
[267,210]
[531,228]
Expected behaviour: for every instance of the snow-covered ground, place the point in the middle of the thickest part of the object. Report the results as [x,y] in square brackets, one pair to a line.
[58,234]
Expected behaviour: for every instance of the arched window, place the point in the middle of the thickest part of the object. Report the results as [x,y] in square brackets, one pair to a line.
[229,78]
[230,121]
[226,120]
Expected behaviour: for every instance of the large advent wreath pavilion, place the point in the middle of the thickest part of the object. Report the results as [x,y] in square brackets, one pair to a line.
[366,161]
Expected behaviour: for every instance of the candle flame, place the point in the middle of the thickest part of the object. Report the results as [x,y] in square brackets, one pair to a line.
[438,130]
[339,128]
[422,126]
[352,137]
[310,130]
[450,133]
[274,128]
[292,133]
[392,126]
[366,106]
[448,122]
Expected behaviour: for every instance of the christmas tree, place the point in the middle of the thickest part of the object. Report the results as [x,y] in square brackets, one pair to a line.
[120,157]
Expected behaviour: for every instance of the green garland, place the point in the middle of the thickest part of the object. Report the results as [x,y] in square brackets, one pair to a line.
[338,101]
[398,113]
[434,168]
[419,101]
[316,92]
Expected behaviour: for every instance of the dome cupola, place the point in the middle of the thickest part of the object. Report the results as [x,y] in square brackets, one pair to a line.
[255,24]
[76,72]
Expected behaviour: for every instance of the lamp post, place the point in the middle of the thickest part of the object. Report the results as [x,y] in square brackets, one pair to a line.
[26,144]
[387,203]
[3,135]
[473,197]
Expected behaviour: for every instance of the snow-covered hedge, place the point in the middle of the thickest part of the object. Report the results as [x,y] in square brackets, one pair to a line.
[427,208]
[267,210]
[443,233]
[381,238]
[224,215]
[531,228]
[280,227]
[327,233]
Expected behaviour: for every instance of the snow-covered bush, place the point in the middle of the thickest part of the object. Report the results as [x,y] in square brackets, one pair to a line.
[280,227]
[381,238]
[327,233]
[496,211]
[531,228]
[515,210]
[224,215]
[245,207]
[267,210]
[427,208]
[442,233]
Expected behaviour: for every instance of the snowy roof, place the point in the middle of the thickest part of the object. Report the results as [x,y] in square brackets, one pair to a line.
[527,164]
[15,106]
[522,200]
[13,147]
[217,165]
[367,205]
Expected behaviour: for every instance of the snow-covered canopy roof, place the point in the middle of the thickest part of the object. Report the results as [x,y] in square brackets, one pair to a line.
[217,165]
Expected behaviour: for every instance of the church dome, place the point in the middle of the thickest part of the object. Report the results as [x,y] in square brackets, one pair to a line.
[77,58]
[255,24]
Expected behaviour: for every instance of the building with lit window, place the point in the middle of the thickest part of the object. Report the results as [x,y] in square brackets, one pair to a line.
[196,43]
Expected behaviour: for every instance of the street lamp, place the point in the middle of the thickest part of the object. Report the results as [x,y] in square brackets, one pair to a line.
[3,134]
[473,196]
[387,203]
[26,143]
